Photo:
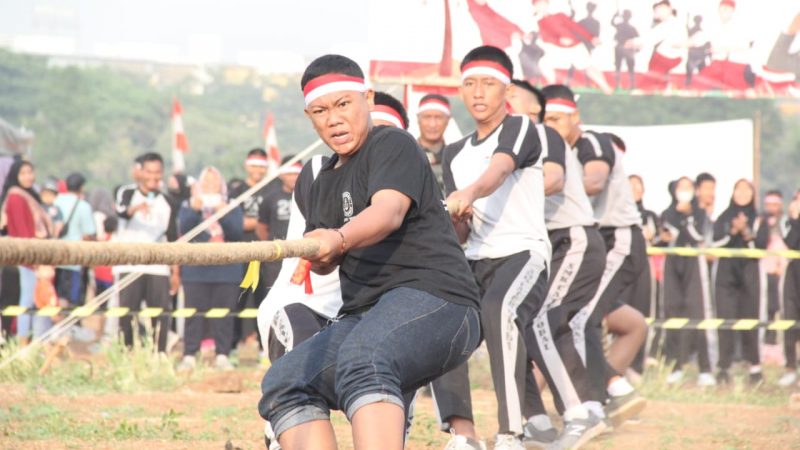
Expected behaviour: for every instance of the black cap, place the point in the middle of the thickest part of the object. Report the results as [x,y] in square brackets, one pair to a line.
[75,182]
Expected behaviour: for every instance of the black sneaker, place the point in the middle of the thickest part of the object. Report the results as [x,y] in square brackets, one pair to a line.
[723,377]
[756,378]
[620,408]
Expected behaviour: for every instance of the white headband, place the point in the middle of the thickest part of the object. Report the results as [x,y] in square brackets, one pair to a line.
[326,84]
[433,106]
[488,68]
[386,117]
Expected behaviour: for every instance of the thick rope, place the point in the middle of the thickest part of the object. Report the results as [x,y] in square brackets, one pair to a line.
[16,252]
[58,329]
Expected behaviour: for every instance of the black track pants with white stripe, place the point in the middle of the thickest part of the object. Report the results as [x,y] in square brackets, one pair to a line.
[512,289]
[290,326]
[790,291]
[687,294]
[740,294]
[576,267]
[642,296]
[626,257]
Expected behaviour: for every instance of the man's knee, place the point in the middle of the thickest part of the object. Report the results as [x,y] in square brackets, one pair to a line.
[366,375]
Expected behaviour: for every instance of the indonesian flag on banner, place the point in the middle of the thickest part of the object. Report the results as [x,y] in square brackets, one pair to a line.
[179,143]
[271,143]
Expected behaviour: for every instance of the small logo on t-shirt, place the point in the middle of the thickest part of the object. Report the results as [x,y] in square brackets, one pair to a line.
[347,206]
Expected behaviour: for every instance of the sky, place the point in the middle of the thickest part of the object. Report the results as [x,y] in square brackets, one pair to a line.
[251,32]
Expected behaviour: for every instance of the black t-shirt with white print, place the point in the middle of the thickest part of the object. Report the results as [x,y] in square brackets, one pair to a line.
[252,204]
[274,212]
[422,254]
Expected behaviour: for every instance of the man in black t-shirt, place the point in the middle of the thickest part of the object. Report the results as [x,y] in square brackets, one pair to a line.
[273,215]
[409,311]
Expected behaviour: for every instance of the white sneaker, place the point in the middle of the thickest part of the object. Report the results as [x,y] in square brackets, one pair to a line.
[223,363]
[507,442]
[706,379]
[458,442]
[187,364]
[675,377]
[788,379]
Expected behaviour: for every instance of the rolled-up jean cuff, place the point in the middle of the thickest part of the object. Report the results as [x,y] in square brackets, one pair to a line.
[299,416]
[368,399]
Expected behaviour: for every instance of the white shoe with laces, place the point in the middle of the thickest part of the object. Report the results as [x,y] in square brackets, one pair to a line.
[706,379]
[788,379]
[507,442]
[459,442]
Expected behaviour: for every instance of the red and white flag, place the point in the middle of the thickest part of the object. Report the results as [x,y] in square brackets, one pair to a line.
[180,144]
[271,143]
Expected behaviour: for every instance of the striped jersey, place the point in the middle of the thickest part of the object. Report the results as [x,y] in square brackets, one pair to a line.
[614,205]
[569,207]
[511,219]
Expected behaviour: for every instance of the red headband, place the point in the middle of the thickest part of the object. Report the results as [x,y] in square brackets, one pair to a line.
[561,105]
[332,82]
[484,67]
[388,114]
[257,160]
[434,104]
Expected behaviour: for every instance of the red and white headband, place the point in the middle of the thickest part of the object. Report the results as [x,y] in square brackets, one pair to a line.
[561,105]
[434,104]
[332,82]
[387,114]
[256,160]
[490,68]
[292,168]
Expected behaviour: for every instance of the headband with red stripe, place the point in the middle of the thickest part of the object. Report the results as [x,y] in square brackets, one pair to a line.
[332,82]
[434,104]
[560,105]
[296,167]
[387,114]
[483,67]
[257,160]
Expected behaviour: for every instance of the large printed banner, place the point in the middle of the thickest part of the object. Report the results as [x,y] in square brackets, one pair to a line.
[737,48]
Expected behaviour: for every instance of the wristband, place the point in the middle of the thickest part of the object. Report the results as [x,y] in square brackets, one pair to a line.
[344,242]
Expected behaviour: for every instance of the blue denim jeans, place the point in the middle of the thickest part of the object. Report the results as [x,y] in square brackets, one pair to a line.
[27,285]
[406,340]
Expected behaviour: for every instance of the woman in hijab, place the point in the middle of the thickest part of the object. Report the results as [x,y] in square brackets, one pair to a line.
[738,280]
[686,285]
[207,287]
[22,216]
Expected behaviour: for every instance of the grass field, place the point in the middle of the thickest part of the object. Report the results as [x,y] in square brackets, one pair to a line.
[133,399]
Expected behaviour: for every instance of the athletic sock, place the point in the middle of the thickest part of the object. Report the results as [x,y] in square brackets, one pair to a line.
[576,412]
[595,408]
[619,386]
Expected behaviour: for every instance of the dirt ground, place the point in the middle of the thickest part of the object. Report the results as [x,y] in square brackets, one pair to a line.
[194,417]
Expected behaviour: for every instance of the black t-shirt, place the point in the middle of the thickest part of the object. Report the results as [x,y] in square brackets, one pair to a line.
[252,205]
[422,254]
[274,212]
